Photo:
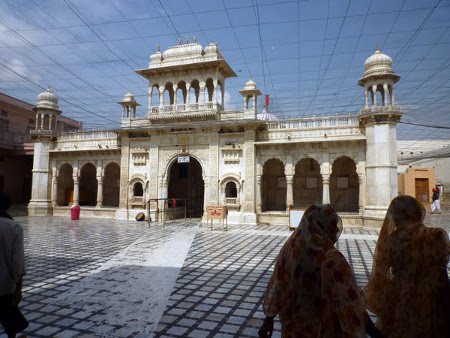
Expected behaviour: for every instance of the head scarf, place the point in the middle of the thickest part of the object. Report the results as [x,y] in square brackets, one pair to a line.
[304,288]
[408,258]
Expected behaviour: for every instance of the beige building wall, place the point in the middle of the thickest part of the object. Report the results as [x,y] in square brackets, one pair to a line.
[418,183]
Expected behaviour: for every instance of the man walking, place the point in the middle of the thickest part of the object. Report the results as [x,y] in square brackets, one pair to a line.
[435,205]
[12,269]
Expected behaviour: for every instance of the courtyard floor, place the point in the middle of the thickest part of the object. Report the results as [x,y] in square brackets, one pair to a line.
[109,278]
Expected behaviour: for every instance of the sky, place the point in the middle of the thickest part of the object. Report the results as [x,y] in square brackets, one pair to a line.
[307,55]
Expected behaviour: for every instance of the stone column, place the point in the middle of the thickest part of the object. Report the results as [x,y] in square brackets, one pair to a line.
[150,92]
[76,190]
[161,99]
[42,121]
[37,121]
[214,95]
[258,194]
[238,195]
[289,191]
[223,95]
[374,92]
[392,97]
[188,96]
[361,180]
[201,93]
[326,188]
[206,195]
[55,188]
[50,122]
[325,170]
[175,88]
[40,203]
[366,95]
[99,185]
[385,91]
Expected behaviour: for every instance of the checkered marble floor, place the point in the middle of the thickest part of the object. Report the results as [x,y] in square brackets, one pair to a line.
[108,278]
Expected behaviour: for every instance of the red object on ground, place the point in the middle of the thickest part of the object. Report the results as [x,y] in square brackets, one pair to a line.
[174,203]
[75,213]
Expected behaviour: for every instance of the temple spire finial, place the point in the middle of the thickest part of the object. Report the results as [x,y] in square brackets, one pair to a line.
[195,39]
[187,39]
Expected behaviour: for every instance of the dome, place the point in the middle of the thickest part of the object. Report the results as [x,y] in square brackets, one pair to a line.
[183,51]
[266,116]
[47,99]
[156,57]
[250,85]
[378,63]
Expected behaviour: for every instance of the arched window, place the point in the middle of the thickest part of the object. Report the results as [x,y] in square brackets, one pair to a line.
[138,190]
[231,190]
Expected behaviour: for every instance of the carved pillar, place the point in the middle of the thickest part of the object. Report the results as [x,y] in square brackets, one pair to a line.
[37,121]
[289,191]
[326,188]
[223,95]
[50,122]
[201,94]
[42,121]
[214,95]
[392,97]
[385,91]
[238,195]
[206,194]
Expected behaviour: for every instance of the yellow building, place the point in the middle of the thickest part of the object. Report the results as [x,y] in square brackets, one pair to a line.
[417,182]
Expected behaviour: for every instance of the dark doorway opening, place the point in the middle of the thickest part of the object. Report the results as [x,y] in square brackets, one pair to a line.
[186,182]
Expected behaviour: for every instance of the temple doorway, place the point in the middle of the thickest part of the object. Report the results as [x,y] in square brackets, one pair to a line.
[186,182]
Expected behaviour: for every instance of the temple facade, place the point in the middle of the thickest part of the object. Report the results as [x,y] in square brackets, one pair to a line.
[189,152]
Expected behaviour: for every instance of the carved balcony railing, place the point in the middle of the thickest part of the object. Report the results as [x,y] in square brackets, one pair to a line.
[86,140]
[183,111]
[321,127]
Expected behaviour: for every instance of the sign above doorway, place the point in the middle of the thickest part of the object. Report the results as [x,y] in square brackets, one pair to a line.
[183,159]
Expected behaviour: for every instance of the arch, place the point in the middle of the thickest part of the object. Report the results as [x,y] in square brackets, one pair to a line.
[173,159]
[210,89]
[65,185]
[46,122]
[249,102]
[344,185]
[137,192]
[307,185]
[138,189]
[88,184]
[273,186]
[168,94]
[155,95]
[219,92]
[230,188]
[111,185]
[185,181]
[194,92]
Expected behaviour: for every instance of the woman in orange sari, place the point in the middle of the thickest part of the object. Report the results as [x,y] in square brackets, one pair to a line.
[312,288]
[409,289]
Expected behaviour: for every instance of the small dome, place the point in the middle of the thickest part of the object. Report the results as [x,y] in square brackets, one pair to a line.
[47,99]
[378,63]
[129,97]
[250,85]
[156,57]
[212,48]
[266,116]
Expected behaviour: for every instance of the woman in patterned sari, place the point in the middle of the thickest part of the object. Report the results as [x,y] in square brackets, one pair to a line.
[409,289]
[312,288]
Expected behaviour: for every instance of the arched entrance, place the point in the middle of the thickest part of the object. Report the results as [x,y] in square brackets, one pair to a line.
[88,185]
[111,185]
[186,181]
[65,185]
[273,186]
[307,183]
[344,185]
